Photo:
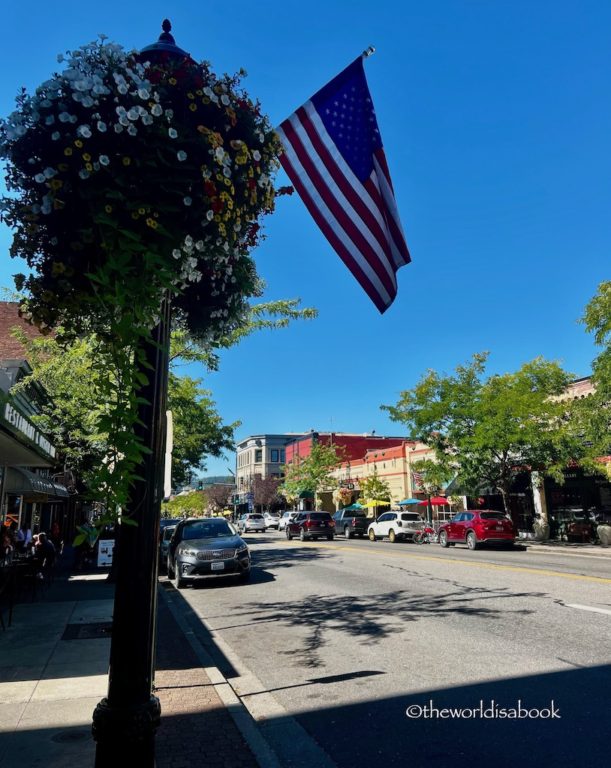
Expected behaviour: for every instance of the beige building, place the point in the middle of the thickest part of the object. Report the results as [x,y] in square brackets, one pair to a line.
[260,455]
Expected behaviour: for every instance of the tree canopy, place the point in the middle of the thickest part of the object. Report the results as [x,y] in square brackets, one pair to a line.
[488,429]
[311,474]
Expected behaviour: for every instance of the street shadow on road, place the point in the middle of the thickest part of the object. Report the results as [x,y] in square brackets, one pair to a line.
[289,555]
[374,617]
[378,733]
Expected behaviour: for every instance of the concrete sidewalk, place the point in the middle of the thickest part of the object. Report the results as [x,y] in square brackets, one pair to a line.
[54,670]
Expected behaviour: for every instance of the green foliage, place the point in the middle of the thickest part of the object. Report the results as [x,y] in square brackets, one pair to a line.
[435,475]
[487,429]
[311,474]
[198,429]
[594,411]
[192,504]
[373,487]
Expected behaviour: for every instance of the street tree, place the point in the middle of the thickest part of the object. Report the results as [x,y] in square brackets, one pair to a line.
[194,504]
[218,496]
[433,476]
[594,411]
[488,429]
[311,474]
[374,487]
[265,491]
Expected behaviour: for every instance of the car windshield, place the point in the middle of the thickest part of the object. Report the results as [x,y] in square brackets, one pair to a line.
[492,515]
[319,516]
[206,529]
[168,532]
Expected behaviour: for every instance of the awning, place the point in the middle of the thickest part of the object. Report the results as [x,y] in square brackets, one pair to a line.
[23,482]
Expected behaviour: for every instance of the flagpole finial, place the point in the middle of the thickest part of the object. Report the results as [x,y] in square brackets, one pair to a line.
[368,52]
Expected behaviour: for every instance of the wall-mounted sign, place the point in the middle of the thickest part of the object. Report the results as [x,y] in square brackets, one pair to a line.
[20,424]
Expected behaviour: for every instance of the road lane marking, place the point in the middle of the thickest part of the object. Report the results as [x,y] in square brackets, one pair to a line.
[588,608]
[473,563]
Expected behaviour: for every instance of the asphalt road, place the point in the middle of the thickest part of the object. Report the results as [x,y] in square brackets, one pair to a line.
[335,640]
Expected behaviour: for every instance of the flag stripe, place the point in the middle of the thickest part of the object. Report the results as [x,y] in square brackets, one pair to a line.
[365,206]
[340,207]
[391,210]
[345,248]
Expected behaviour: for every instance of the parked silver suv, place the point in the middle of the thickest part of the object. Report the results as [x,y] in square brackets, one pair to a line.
[251,521]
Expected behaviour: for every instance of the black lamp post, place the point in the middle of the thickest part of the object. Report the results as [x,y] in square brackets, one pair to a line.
[125,722]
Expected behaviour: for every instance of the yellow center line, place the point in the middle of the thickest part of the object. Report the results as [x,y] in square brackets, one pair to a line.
[472,563]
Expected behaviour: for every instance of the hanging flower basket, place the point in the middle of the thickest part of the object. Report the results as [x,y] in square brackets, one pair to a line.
[129,180]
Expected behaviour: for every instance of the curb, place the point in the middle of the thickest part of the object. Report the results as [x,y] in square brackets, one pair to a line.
[239,714]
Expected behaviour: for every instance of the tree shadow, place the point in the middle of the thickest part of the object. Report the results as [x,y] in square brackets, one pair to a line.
[374,617]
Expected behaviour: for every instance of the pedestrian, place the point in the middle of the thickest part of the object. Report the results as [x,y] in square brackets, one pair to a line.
[44,554]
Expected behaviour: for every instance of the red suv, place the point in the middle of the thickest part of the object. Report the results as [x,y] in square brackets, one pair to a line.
[473,527]
[311,525]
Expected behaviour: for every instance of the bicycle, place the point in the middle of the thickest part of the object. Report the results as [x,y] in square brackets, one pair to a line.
[426,536]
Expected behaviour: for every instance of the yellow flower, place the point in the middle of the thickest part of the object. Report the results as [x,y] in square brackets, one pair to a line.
[172,81]
[62,167]
[135,215]
[127,161]
[199,93]
[56,183]
[68,151]
[89,167]
[152,223]
[190,96]
[226,182]
[78,143]
[108,208]
[219,177]
[86,157]
[192,107]
[141,211]
[217,218]
[205,100]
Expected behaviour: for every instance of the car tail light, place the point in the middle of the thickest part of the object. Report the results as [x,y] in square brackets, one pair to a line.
[332,522]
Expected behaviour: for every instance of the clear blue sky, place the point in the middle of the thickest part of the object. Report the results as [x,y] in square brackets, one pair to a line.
[496,120]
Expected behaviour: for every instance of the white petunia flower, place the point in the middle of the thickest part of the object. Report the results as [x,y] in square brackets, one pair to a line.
[40,178]
[181,155]
[56,135]
[132,130]
[83,173]
[50,120]
[210,215]
[256,155]
[49,173]
[176,253]
[84,131]
[156,110]
[225,100]
[118,128]
[122,89]
[187,200]
[172,133]
[101,126]
[64,117]
[104,160]
[143,93]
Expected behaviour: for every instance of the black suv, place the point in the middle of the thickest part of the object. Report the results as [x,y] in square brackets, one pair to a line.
[311,525]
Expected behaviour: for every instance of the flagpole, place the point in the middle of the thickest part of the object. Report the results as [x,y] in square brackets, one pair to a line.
[368,52]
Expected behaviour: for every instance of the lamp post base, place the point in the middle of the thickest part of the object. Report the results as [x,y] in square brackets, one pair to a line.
[126,736]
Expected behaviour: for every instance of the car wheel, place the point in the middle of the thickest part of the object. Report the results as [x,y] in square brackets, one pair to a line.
[443,539]
[302,536]
[392,536]
[169,570]
[471,540]
[289,535]
[371,534]
[347,532]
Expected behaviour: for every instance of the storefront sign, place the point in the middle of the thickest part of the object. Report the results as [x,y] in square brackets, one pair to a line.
[19,423]
[105,550]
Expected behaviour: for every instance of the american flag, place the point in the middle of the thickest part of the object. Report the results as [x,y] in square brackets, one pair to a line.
[334,157]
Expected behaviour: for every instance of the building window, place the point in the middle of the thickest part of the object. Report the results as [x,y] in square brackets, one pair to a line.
[275,455]
[258,456]
[282,456]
